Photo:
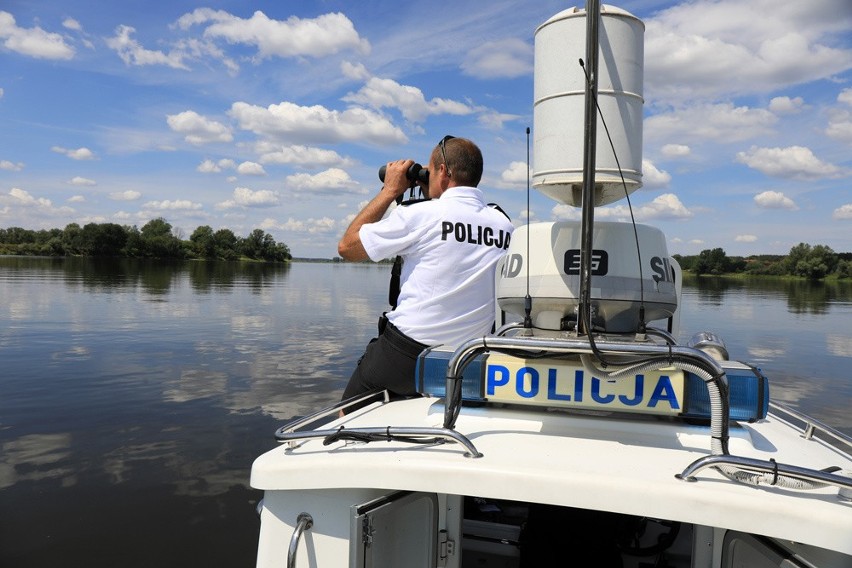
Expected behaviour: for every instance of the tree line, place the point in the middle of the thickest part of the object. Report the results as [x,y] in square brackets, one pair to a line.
[156,239]
[811,262]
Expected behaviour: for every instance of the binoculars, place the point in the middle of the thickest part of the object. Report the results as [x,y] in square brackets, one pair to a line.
[416,173]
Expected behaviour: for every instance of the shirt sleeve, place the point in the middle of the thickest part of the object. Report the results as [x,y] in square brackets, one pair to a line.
[390,236]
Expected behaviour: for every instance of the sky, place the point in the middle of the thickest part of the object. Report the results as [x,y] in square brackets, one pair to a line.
[277,115]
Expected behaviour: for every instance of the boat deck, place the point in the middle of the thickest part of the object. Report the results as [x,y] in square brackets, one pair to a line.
[610,463]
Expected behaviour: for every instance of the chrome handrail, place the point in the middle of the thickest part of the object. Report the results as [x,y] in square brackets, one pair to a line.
[331,412]
[813,428]
[303,522]
[387,432]
[764,466]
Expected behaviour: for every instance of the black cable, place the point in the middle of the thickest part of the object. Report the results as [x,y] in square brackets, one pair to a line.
[586,315]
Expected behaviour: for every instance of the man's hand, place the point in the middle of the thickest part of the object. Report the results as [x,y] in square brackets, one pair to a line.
[396,182]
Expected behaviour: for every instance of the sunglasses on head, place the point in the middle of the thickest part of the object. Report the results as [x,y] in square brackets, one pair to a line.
[442,145]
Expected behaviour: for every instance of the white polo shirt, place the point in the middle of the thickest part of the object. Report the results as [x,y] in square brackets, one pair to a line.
[450,247]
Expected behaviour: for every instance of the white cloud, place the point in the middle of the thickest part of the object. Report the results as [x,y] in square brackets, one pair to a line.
[324,35]
[211,167]
[77,180]
[507,58]
[843,212]
[675,150]
[18,199]
[129,195]
[840,119]
[72,24]
[665,206]
[289,225]
[198,129]
[78,154]
[311,226]
[332,180]
[354,71]
[774,200]
[316,123]
[245,197]
[33,42]
[322,225]
[720,122]
[76,199]
[132,52]
[494,120]
[387,93]
[526,216]
[794,162]
[654,178]
[516,174]
[11,166]
[169,205]
[786,105]
[300,155]
[251,169]
[745,238]
[22,197]
[697,49]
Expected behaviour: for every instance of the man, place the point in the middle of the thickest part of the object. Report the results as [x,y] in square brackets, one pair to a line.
[449,244]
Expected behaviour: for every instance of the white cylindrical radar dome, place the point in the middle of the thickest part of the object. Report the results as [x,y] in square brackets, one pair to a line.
[559,109]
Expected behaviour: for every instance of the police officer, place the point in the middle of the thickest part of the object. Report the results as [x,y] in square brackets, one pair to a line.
[449,245]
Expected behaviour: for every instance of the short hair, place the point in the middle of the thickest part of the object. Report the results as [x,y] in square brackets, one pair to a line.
[464,161]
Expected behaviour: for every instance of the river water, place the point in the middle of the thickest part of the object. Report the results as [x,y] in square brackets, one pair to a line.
[134,395]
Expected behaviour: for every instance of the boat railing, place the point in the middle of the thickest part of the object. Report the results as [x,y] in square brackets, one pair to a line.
[326,415]
[305,428]
[812,428]
[776,469]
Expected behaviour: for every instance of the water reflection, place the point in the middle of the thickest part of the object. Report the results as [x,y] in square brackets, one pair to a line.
[839,345]
[37,457]
[802,296]
[206,275]
[164,404]
[155,277]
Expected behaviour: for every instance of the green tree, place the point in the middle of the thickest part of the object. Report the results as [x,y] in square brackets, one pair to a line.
[203,242]
[226,244]
[712,262]
[811,262]
[158,240]
[281,253]
[113,237]
[133,246]
[72,239]
[252,245]
[103,239]
[18,236]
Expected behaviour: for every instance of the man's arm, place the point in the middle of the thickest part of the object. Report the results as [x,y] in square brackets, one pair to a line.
[350,246]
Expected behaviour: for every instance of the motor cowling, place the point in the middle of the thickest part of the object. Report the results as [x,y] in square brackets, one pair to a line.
[551,273]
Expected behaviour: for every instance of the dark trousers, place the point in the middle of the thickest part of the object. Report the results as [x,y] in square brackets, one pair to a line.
[390,362]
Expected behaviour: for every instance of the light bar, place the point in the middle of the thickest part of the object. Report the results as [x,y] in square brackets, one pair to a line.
[496,377]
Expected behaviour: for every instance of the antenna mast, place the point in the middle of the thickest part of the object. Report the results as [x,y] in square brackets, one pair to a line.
[593,11]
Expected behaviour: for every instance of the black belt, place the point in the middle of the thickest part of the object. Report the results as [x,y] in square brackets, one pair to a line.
[402,342]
